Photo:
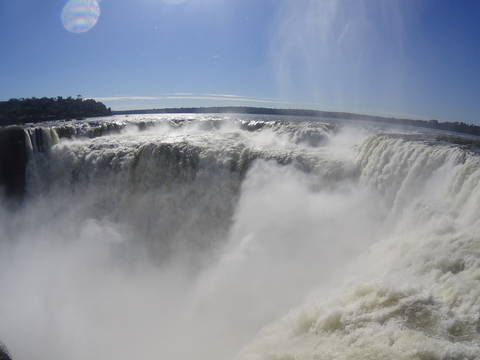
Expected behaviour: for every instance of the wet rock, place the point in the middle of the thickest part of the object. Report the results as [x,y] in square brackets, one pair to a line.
[4,355]
[13,160]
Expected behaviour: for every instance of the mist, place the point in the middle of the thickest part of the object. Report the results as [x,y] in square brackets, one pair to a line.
[173,266]
[241,236]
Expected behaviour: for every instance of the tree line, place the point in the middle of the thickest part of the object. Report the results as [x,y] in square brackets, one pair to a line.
[32,110]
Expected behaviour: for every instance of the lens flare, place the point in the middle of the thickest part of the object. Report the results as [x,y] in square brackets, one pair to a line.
[79,16]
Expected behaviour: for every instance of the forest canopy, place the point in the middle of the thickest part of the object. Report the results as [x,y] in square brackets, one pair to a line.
[21,111]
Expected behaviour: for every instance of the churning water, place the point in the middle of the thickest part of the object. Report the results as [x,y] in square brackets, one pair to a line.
[241,237]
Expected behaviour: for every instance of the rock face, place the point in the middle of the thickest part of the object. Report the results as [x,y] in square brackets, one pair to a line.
[4,353]
[13,160]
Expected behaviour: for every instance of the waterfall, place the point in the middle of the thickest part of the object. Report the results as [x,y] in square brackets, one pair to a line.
[185,236]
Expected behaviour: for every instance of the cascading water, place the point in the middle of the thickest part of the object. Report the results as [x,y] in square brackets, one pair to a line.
[415,292]
[180,237]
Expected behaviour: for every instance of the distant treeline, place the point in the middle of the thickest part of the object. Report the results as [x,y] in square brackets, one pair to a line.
[432,124]
[20,111]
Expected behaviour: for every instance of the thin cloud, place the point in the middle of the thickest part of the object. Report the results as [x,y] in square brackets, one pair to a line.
[123,98]
[188,96]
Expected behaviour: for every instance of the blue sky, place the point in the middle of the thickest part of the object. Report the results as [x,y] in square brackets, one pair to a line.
[416,58]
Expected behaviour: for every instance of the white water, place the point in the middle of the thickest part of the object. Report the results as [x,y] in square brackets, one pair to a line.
[415,293]
[184,240]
